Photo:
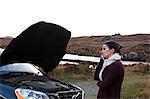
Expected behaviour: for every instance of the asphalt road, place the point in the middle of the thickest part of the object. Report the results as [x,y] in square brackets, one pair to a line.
[90,88]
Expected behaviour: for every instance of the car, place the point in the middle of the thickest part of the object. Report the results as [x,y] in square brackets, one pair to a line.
[27,60]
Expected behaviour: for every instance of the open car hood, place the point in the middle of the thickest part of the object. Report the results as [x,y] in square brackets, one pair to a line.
[43,44]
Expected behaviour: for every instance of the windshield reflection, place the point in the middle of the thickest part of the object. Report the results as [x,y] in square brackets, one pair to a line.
[20,67]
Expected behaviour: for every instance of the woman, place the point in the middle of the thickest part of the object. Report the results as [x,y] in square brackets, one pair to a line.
[110,72]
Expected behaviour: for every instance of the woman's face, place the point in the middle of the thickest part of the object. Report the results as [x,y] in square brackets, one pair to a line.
[106,52]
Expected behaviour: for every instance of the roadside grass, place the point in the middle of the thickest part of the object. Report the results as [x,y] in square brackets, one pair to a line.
[72,73]
[134,85]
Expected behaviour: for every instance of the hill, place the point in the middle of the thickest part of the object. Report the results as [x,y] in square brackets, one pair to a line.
[4,41]
[134,47]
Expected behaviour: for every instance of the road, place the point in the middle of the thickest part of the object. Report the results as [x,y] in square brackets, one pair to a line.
[90,88]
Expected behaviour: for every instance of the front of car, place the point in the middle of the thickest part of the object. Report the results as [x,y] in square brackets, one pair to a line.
[25,81]
[42,45]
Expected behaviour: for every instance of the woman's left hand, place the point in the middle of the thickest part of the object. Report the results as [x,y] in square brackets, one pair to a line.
[99,83]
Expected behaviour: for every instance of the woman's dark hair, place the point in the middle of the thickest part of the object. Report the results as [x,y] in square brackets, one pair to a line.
[112,44]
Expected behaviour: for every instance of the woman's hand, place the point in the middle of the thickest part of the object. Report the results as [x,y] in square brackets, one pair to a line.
[99,83]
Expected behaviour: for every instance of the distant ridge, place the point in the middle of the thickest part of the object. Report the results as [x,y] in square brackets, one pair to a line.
[135,47]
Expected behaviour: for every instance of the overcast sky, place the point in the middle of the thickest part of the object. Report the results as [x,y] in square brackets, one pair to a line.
[81,17]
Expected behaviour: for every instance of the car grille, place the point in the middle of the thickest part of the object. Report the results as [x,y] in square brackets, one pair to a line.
[66,95]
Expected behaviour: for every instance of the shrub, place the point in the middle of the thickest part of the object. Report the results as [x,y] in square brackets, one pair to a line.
[142,68]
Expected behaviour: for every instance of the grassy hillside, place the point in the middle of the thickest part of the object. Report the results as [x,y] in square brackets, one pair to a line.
[4,41]
[135,47]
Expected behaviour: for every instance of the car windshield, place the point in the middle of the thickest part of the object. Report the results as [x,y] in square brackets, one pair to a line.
[20,67]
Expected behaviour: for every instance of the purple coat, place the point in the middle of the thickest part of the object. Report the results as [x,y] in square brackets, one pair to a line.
[112,77]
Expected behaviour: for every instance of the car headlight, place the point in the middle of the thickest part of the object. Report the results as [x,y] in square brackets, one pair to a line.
[29,94]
